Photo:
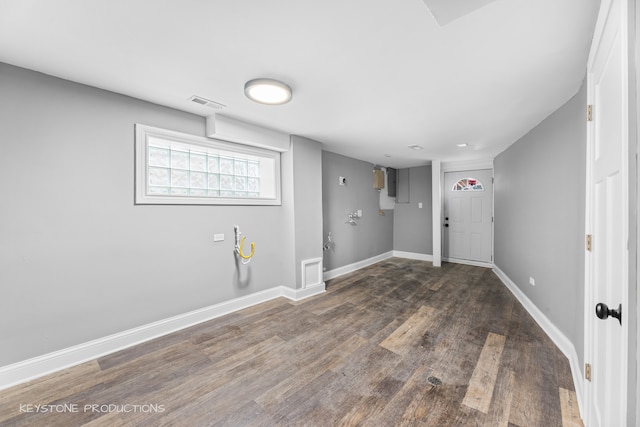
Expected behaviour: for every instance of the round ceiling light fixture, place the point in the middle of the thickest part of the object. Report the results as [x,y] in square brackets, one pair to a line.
[267,91]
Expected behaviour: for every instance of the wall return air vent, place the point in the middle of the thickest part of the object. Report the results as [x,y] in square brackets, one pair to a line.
[207,102]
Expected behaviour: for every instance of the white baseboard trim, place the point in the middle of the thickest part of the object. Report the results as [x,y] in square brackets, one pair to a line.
[560,339]
[469,262]
[39,366]
[413,255]
[332,274]
[299,294]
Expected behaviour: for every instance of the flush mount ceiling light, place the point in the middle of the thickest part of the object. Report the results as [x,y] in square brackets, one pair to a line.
[267,91]
[462,145]
[416,147]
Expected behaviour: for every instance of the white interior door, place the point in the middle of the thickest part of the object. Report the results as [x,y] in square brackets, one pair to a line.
[607,219]
[468,216]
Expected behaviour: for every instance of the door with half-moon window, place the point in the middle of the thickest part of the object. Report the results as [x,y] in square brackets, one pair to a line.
[468,217]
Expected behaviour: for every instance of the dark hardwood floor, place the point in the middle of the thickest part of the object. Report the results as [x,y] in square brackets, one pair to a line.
[397,343]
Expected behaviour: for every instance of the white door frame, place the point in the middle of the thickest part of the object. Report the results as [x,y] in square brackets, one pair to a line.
[634,84]
[463,167]
[589,304]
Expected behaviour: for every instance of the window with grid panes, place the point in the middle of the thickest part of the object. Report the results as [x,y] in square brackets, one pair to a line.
[176,168]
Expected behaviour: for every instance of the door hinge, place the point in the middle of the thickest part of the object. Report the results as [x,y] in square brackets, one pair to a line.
[587,371]
[589,113]
[588,242]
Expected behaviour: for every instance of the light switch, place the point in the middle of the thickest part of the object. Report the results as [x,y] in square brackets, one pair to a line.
[420,205]
[218,237]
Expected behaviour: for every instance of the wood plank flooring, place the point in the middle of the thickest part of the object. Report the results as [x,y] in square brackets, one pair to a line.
[396,343]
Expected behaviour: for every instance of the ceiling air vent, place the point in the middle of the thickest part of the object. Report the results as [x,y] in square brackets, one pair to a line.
[207,102]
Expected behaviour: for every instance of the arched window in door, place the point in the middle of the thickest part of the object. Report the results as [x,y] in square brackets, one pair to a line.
[468,184]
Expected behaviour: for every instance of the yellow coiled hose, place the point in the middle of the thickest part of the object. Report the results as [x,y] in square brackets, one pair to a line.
[253,249]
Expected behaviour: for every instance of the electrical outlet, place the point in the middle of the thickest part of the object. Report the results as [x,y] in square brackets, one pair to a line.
[532,281]
[342,180]
[419,205]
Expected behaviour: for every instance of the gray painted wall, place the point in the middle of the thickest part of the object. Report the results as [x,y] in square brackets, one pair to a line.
[307,183]
[412,226]
[78,261]
[540,218]
[374,233]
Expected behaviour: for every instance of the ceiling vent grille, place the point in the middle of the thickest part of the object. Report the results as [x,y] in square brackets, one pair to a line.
[207,102]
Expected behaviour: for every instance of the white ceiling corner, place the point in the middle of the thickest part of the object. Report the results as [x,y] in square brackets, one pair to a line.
[445,11]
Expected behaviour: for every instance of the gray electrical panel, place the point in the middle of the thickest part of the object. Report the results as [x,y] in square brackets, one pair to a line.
[391,182]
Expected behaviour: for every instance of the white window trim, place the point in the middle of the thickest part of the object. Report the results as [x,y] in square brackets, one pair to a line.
[142,134]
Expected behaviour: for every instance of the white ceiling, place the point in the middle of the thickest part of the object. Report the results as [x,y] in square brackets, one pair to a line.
[369,77]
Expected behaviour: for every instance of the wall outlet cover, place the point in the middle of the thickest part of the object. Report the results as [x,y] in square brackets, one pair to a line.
[342,180]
